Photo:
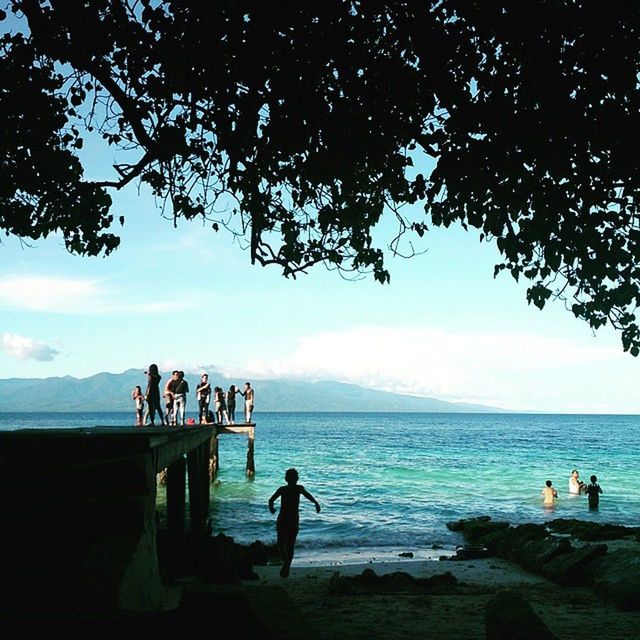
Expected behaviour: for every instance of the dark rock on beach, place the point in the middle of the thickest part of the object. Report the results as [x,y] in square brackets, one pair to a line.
[369,582]
[468,553]
[509,615]
[467,523]
[215,560]
[262,554]
[474,529]
[442,580]
[539,549]
[509,542]
[616,576]
[569,568]
[592,531]
[529,545]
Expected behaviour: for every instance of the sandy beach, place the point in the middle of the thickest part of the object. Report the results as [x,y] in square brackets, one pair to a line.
[450,611]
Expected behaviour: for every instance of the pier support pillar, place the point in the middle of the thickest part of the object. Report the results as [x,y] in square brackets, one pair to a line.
[198,471]
[214,462]
[176,500]
[251,467]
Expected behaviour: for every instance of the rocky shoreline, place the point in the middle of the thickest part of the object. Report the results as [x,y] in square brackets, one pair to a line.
[604,557]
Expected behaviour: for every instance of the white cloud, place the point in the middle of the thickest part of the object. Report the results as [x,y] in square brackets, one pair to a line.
[182,365]
[27,348]
[82,296]
[41,293]
[517,371]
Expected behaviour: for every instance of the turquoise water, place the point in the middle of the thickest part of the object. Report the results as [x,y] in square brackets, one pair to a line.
[394,480]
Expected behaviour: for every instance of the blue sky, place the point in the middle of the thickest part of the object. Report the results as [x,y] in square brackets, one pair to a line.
[189,297]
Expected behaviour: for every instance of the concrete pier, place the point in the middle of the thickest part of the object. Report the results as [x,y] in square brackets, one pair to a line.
[78,512]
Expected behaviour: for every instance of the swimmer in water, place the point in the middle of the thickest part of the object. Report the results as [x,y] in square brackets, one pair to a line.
[593,492]
[549,494]
[576,486]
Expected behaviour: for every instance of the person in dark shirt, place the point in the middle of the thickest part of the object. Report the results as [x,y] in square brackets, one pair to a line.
[203,392]
[593,492]
[180,391]
[231,403]
[152,395]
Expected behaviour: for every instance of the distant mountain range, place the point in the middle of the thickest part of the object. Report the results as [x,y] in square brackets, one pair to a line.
[112,392]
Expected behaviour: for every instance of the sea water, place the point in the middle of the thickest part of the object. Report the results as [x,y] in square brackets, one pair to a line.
[390,482]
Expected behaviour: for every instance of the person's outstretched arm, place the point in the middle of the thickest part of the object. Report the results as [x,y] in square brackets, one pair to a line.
[310,498]
[272,500]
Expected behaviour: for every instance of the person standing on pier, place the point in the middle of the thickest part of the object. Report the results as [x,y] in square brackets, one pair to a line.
[249,396]
[153,395]
[138,398]
[169,396]
[231,403]
[181,389]
[222,415]
[203,391]
[288,521]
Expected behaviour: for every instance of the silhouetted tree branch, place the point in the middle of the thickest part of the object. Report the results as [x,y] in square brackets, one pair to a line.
[312,121]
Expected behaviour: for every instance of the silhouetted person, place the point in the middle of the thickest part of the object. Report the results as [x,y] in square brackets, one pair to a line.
[593,492]
[153,395]
[288,520]
[231,403]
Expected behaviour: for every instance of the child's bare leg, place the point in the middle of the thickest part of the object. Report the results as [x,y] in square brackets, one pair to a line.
[287,559]
[282,549]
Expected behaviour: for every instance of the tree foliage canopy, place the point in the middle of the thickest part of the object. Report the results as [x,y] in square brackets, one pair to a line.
[297,125]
